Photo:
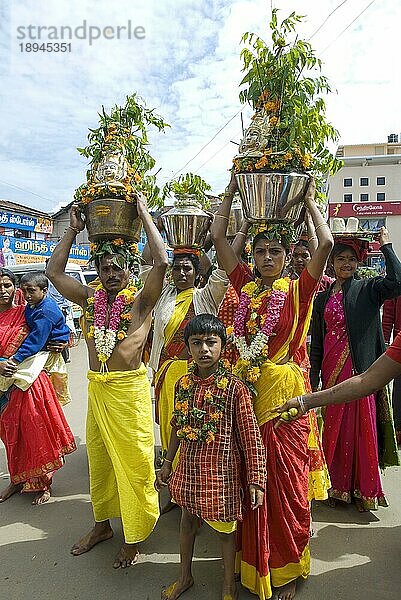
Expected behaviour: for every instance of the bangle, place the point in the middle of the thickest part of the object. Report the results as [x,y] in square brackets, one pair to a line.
[321,225]
[312,238]
[241,233]
[75,229]
[222,217]
[168,461]
[301,404]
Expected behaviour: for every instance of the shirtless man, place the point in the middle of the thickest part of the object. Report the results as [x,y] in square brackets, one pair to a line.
[119,435]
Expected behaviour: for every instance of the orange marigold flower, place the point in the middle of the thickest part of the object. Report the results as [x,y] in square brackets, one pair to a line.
[192,436]
[118,242]
[215,416]
[229,330]
[251,326]
[121,335]
[126,316]
[137,177]
[210,437]
[185,382]
[273,121]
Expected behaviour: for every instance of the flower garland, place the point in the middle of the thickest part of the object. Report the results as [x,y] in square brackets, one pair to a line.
[213,397]
[259,327]
[106,336]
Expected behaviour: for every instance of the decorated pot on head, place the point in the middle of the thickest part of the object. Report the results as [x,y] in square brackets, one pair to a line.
[186,224]
[110,214]
[119,166]
[267,195]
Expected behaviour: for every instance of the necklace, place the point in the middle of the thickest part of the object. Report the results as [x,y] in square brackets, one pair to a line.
[206,419]
[109,324]
[259,328]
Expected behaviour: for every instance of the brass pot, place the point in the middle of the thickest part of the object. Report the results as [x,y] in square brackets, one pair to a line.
[272,196]
[186,225]
[112,218]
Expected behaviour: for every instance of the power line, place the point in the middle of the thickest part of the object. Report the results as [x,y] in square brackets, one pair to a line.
[215,154]
[327,18]
[27,191]
[349,25]
[206,145]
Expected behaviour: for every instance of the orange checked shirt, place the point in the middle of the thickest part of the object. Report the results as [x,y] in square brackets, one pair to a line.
[207,480]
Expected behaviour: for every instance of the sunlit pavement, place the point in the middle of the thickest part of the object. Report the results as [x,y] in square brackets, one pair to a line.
[355,556]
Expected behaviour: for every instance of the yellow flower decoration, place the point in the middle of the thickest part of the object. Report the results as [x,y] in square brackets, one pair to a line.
[250,288]
[222,383]
[118,242]
[185,382]
[208,396]
[282,284]
[121,335]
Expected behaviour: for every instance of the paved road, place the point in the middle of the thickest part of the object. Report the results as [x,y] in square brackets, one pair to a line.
[354,556]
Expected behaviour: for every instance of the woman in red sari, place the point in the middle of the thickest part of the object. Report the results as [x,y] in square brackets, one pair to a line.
[33,428]
[272,322]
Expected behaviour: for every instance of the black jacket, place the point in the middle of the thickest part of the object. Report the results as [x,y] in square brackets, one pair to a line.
[362,300]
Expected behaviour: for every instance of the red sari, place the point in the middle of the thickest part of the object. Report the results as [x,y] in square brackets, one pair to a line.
[350,432]
[33,428]
[273,541]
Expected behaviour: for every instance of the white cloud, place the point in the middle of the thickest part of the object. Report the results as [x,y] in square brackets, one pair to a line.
[188,68]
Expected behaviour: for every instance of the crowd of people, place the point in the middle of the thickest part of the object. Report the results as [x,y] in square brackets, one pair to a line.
[235,360]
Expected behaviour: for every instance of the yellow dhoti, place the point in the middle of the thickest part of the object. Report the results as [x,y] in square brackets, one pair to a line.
[120,445]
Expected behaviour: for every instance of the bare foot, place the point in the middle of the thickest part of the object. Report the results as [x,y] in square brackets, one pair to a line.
[42,497]
[100,533]
[167,507]
[177,588]
[286,592]
[127,556]
[10,491]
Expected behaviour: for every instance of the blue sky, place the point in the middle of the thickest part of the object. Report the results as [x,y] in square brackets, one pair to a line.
[188,68]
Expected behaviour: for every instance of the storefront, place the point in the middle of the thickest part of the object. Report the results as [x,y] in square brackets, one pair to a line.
[372,216]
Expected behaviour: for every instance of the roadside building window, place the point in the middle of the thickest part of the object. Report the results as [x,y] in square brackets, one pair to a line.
[380,196]
[364,181]
[381,181]
[348,182]
[347,197]
[364,197]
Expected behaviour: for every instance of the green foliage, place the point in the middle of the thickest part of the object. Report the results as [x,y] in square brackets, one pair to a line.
[284,80]
[188,185]
[125,130]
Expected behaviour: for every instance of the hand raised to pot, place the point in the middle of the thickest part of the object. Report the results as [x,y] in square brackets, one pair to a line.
[76,220]
[310,192]
[232,186]
[384,236]
[141,204]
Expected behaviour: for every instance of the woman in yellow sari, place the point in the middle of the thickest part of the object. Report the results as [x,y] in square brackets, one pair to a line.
[271,324]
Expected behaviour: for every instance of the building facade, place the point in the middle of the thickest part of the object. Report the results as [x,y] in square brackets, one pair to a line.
[26,236]
[368,186]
